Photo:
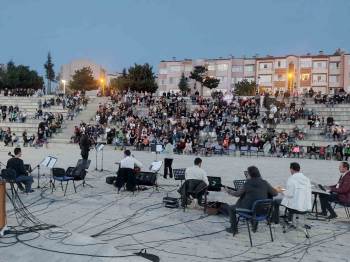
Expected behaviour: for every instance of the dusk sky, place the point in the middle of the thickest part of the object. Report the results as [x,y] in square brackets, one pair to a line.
[118,33]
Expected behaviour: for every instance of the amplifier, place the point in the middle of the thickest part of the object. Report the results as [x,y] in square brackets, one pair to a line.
[171,202]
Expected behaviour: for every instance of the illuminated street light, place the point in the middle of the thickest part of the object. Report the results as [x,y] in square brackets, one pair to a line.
[64,86]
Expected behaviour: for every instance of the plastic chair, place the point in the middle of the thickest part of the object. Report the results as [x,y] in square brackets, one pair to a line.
[261,211]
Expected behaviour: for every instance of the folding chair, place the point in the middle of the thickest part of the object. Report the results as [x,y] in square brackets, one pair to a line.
[59,174]
[261,211]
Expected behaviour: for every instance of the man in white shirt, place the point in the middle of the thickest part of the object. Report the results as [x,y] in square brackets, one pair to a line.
[129,161]
[297,195]
[196,183]
[126,172]
[196,172]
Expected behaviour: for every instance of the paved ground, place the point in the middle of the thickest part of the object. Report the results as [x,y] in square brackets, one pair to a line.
[98,221]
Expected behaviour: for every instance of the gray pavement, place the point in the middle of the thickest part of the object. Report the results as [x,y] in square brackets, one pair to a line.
[98,221]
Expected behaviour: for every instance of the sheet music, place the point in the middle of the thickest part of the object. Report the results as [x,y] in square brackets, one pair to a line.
[49,162]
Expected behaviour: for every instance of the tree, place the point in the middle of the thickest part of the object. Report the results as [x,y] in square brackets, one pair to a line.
[245,88]
[200,75]
[211,82]
[183,85]
[20,77]
[50,73]
[83,80]
[119,84]
[141,78]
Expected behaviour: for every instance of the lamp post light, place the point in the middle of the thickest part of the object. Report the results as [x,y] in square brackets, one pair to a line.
[64,86]
[102,86]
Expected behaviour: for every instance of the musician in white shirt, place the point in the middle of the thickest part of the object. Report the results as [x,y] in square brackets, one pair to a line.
[196,172]
[129,161]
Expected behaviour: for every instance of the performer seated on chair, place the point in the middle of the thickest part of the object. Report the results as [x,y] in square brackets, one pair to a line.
[126,172]
[196,182]
[16,163]
[297,195]
[338,193]
[254,189]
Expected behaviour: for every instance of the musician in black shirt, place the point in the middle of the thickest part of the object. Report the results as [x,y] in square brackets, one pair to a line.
[17,164]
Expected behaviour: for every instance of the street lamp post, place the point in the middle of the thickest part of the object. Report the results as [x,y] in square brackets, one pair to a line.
[64,86]
[102,86]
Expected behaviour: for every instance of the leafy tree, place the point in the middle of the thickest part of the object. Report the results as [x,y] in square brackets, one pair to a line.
[50,73]
[141,78]
[211,82]
[20,77]
[119,84]
[83,80]
[245,88]
[200,75]
[183,85]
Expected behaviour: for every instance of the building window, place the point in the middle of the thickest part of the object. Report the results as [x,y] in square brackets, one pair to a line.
[171,80]
[305,63]
[319,78]
[237,69]
[334,65]
[188,68]
[280,77]
[222,67]
[281,64]
[175,68]
[249,68]
[265,79]
[305,77]
[163,71]
[163,82]
[236,80]
[211,67]
[334,79]
[265,65]
[319,65]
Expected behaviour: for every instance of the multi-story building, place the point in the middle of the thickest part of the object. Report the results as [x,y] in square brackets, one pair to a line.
[325,73]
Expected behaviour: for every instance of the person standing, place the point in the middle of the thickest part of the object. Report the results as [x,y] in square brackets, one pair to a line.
[84,145]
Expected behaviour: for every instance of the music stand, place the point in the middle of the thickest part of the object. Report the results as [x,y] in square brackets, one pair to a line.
[179,174]
[49,162]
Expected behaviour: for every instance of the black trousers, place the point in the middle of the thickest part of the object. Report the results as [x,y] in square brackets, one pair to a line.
[230,210]
[84,154]
[326,201]
[167,167]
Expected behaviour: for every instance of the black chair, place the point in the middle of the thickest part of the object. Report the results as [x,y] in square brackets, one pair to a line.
[59,174]
[196,189]
[239,183]
[346,207]
[79,172]
[261,211]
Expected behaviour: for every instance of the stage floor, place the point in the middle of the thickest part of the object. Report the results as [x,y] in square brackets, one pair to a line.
[98,221]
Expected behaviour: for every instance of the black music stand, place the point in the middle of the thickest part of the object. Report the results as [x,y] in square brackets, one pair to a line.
[179,174]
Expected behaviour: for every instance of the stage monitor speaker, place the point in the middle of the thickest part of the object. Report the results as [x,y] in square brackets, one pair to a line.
[146,179]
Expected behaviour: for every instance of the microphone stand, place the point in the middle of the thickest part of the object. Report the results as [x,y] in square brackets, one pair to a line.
[37,167]
[101,160]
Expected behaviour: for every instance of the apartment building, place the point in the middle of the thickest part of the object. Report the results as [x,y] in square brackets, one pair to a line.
[325,73]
